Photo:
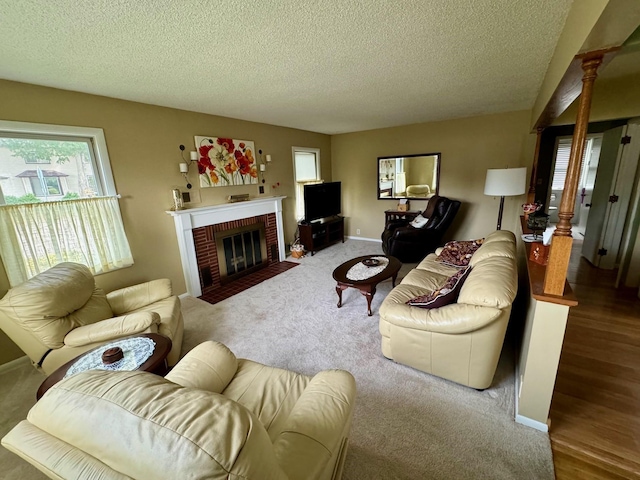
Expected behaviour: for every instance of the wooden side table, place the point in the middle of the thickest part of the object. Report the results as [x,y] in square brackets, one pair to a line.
[156,363]
[395,215]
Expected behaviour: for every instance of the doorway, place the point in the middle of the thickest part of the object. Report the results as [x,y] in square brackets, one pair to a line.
[586,184]
[613,208]
[607,205]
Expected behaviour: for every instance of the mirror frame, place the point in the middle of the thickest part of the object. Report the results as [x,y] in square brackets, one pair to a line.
[438,156]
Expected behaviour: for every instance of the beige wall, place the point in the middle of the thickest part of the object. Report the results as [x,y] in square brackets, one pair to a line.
[469,146]
[143,147]
[612,98]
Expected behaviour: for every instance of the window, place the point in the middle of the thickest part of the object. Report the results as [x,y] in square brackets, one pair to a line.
[64,211]
[563,152]
[306,170]
[37,160]
[45,186]
[72,166]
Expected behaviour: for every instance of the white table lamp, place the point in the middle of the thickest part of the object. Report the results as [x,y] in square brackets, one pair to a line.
[505,182]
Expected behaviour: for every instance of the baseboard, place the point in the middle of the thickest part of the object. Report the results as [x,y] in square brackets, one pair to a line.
[365,239]
[14,363]
[528,422]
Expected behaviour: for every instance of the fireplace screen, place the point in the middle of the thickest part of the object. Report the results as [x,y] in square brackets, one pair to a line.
[241,251]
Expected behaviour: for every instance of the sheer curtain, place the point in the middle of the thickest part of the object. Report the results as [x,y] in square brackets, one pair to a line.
[36,236]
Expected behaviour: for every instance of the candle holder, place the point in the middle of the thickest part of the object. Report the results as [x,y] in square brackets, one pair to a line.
[185,164]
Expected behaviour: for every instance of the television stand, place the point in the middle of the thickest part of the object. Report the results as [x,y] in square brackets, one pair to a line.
[320,234]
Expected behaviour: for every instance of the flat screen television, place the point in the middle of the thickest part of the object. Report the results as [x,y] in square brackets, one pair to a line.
[322,200]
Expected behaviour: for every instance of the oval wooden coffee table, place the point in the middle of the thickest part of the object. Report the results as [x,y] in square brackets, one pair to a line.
[367,286]
[156,363]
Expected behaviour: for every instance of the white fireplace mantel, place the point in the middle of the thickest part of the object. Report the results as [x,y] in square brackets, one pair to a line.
[188,219]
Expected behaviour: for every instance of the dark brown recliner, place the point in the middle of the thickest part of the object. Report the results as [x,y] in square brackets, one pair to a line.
[410,244]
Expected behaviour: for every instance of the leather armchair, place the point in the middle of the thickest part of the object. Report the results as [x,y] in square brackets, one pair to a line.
[60,314]
[213,416]
[409,244]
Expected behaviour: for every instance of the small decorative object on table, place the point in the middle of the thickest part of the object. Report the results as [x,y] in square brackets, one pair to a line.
[112,355]
[403,205]
[371,262]
[529,208]
[539,253]
[238,198]
[537,222]
[176,195]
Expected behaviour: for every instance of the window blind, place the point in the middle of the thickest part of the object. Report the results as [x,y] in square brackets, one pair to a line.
[563,154]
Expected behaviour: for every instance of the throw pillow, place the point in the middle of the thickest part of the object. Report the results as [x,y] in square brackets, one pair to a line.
[446,295]
[419,221]
[458,252]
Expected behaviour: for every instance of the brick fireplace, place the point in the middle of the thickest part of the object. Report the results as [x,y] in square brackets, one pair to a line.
[196,230]
[229,250]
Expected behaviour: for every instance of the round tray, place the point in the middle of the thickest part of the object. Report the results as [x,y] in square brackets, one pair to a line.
[370,262]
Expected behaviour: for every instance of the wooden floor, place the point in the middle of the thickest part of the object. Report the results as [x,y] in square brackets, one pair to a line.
[595,412]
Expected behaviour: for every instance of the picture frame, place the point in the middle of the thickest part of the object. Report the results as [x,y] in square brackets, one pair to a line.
[224,162]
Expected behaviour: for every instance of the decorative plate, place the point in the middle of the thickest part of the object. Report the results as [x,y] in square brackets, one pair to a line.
[371,262]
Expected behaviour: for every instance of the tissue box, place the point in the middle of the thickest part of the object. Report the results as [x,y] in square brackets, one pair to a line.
[403,207]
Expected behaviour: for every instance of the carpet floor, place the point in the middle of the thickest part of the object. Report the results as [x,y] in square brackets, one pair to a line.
[407,424]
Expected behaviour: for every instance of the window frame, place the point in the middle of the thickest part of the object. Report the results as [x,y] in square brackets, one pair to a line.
[106,201]
[316,152]
[100,155]
[299,184]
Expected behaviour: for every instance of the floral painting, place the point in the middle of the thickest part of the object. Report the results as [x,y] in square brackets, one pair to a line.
[225,161]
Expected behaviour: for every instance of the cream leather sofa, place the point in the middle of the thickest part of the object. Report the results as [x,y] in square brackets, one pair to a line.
[461,341]
[213,416]
[60,313]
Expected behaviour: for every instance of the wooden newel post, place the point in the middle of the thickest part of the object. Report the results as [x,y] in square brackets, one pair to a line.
[561,243]
[531,195]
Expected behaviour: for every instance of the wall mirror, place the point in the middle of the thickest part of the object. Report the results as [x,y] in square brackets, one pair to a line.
[411,176]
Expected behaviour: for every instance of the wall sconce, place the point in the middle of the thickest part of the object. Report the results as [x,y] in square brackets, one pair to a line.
[262,167]
[184,166]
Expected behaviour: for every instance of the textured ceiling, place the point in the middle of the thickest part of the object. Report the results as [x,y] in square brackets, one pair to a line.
[329,66]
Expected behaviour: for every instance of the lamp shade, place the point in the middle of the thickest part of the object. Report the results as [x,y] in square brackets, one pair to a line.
[505,182]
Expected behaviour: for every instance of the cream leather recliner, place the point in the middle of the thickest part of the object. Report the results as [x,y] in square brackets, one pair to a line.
[213,416]
[60,314]
[418,191]
[461,341]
